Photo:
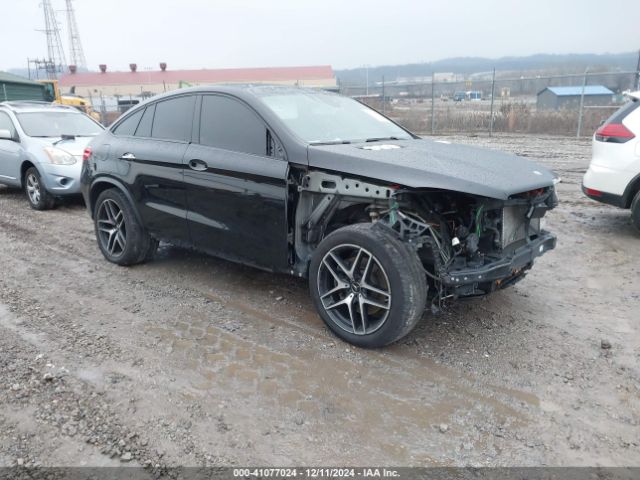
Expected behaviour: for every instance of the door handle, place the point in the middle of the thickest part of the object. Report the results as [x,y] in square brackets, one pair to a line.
[128,156]
[197,165]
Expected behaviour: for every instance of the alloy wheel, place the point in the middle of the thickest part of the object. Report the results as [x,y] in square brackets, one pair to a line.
[111,228]
[354,289]
[33,188]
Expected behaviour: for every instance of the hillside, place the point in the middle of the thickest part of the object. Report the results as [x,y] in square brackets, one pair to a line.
[567,63]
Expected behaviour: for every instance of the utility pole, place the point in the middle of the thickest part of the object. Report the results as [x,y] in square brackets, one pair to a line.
[40,64]
[384,102]
[493,91]
[584,85]
[433,103]
[366,69]
[75,46]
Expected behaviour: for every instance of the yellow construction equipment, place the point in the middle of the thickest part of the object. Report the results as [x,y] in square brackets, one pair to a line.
[52,92]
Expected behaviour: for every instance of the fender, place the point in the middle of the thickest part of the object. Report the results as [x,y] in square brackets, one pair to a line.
[35,164]
[630,191]
[120,186]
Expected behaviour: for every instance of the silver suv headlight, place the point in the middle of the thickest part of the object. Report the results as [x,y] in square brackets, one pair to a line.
[59,157]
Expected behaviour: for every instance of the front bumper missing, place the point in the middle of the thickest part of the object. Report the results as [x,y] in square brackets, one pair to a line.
[505,271]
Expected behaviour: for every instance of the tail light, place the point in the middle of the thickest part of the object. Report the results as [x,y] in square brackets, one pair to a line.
[614,133]
[86,154]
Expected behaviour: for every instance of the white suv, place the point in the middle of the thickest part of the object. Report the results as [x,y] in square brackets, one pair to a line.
[613,176]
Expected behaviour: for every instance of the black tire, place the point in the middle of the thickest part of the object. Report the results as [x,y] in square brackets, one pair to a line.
[121,238]
[37,195]
[396,270]
[635,211]
[151,250]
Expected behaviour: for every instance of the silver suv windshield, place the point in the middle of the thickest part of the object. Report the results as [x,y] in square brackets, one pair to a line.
[56,124]
[325,118]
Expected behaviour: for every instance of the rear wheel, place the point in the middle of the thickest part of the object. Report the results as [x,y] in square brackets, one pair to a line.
[37,194]
[635,211]
[121,238]
[367,285]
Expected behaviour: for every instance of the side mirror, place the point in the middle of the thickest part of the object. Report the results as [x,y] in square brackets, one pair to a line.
[6,135]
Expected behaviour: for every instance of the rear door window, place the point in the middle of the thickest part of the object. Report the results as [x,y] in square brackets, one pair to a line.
[173,119]
[623,112]
[128,125]
[144,127]
[231,125]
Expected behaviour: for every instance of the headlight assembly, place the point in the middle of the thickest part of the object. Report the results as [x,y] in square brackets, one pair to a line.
[59,157]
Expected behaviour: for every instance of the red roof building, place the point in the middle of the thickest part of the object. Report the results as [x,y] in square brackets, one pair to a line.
[143,82]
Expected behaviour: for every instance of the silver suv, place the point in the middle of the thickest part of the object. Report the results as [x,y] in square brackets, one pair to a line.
[41,148]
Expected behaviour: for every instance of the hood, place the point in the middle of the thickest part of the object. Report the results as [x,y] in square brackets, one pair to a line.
[435,164]
[74,147]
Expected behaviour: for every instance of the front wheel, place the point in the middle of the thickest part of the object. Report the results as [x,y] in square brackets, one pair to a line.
[367,285]
[38,196]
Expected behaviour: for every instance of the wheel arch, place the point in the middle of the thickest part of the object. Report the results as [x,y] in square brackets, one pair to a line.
[630,192]
[326,201]
[26,165]
[101,184]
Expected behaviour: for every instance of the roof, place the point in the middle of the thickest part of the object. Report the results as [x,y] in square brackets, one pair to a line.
[246,91]
[6,77]
[229,75]
[577,91]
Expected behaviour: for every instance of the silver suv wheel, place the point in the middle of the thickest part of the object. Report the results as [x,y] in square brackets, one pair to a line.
[33,188]
[37,194]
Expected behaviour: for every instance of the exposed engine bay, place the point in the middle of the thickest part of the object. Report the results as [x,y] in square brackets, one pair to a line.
[468,245]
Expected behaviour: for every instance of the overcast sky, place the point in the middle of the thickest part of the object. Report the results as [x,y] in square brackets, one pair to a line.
[344,34]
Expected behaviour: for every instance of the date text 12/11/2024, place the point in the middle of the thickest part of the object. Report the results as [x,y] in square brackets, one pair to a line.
[315,472]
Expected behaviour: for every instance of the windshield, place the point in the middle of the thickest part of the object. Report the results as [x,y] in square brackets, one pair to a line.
[56,124]
[321,118]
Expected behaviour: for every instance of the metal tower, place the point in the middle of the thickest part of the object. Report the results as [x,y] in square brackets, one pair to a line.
[75,46]
[56,57]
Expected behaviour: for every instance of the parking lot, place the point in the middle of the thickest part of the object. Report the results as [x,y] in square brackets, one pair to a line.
[190,360]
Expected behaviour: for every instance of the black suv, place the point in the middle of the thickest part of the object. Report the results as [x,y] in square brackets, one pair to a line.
[318,185]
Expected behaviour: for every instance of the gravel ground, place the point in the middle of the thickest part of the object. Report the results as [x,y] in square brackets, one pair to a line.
[190,360]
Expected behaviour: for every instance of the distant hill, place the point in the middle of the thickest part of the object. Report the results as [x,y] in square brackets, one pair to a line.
[558,64]
[23,72]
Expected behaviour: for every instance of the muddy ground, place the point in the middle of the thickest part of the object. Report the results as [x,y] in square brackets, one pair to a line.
[190,360]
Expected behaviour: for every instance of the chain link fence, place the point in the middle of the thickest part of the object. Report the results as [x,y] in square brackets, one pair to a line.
[573,104]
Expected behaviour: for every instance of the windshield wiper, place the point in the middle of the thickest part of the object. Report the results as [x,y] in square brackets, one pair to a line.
[63,137]
[381,139]
[336,142]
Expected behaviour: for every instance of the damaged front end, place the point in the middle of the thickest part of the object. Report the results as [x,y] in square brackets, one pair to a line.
[472,245]
[468,245]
